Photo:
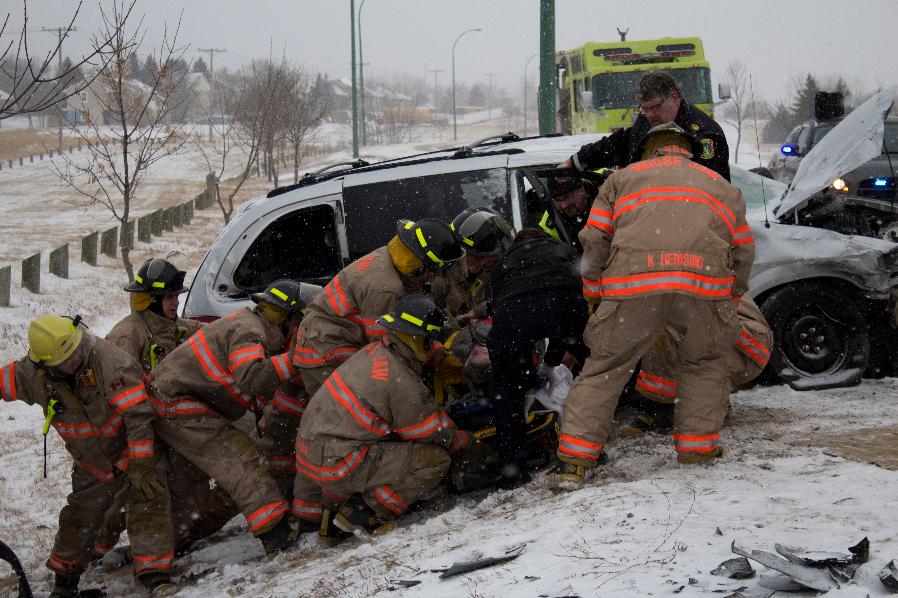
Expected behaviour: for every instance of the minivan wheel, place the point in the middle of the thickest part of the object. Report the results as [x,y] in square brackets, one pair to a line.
[820,336]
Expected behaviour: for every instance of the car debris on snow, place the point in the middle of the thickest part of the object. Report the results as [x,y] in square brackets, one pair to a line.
[814,570]
[738,568]
[467,567]
[889,576]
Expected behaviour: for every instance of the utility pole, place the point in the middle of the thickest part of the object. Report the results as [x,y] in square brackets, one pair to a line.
[489,101]
[362,76]
[547,83]
[435,73]
[212,52]
[59,31]
[355,113]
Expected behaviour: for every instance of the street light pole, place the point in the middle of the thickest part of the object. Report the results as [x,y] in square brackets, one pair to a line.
[355,114]
[489,101]
[526,64]
[362,76]
[454,111]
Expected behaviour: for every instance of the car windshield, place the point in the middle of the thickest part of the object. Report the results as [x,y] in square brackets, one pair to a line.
[758,191]
[615,90]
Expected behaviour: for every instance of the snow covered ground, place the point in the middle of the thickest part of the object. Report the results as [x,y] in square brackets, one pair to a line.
[812,470]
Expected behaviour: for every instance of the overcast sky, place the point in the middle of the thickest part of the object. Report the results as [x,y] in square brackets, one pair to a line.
[777,39]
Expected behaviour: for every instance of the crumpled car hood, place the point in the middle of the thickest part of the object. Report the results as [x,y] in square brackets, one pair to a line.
[854,141]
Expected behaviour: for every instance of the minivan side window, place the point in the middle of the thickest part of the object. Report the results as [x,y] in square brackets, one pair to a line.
[302,245]
[373,209]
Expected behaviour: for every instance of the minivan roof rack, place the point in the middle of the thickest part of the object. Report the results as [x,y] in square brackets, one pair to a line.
[464,151]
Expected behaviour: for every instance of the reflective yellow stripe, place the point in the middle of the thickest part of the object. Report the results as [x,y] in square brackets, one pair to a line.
[421,239]
[388,317]
[412,319]
[159,285]
[409,224]
[433,256]
[432,327]
[279,294]
[138,279]
[467,241]
[542,224]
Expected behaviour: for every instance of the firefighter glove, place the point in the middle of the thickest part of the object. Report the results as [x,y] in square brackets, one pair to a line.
[146,481]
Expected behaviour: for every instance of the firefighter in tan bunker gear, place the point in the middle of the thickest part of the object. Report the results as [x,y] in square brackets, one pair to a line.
[150,332]
[372,440]
[94,395]
[228,368]
[465,288]
[666,245]
[341,320]
[657,384]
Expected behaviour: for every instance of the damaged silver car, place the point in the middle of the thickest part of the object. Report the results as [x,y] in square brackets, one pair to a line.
[826,295]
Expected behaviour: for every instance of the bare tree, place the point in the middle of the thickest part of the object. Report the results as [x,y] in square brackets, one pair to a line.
[304,116]
[736,110]
[250,100]
[33,83]
[130,128]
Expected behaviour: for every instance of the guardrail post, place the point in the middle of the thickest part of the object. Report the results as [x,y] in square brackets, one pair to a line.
[167,220]
[145,228]
[31,273]
[89,248]
[109,241]
[157,223]
[127,237]
[176,219]
[59,261]
[5,284]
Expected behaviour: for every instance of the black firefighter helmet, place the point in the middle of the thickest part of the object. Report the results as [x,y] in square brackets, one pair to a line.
[483,232]
[288,295]
[432,241]
[415,315]
[158,276]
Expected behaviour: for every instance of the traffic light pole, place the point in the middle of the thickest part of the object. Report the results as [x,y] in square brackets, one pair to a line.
[547,83]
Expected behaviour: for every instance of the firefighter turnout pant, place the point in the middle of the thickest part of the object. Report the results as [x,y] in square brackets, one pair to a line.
[618,334]
[390,476]
[231,457]
[148,522]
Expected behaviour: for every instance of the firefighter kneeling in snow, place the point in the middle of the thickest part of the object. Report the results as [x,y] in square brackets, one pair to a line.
[224,370]
[657,384]
[94,395]
[372,439]
[666,245]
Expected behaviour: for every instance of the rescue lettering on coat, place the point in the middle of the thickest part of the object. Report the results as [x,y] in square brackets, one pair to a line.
[680,260]
[380,368]
[365,262]
[656,162]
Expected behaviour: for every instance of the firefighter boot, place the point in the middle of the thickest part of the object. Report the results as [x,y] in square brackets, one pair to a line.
[355,514]
[279,538]
[328,533]
[158,584]
[653,417]
[699,458]
[65,586]
[565,475]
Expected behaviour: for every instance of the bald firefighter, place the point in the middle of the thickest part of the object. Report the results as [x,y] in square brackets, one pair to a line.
[372,441]
[666,245]
[657,384]
[341,320]
[94,395]
[465,288]
[228,368]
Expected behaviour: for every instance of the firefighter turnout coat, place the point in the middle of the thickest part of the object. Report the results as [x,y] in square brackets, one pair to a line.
[231,366]
[666,245]
[341,320]
[148,337]
[373,428]
[104,416]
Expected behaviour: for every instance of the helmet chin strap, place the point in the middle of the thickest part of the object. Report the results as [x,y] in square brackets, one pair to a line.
[415,343]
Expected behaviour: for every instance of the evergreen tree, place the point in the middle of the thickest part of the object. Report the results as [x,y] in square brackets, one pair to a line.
[779,125]
[477,97]
[199,66]
[150,70]
[134,67]
[76,76]
[803,104]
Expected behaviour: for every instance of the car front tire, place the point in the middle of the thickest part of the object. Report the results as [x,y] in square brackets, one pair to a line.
[821,338]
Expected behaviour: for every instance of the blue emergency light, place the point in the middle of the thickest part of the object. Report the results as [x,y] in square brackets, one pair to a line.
[881,183]
[787,149]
